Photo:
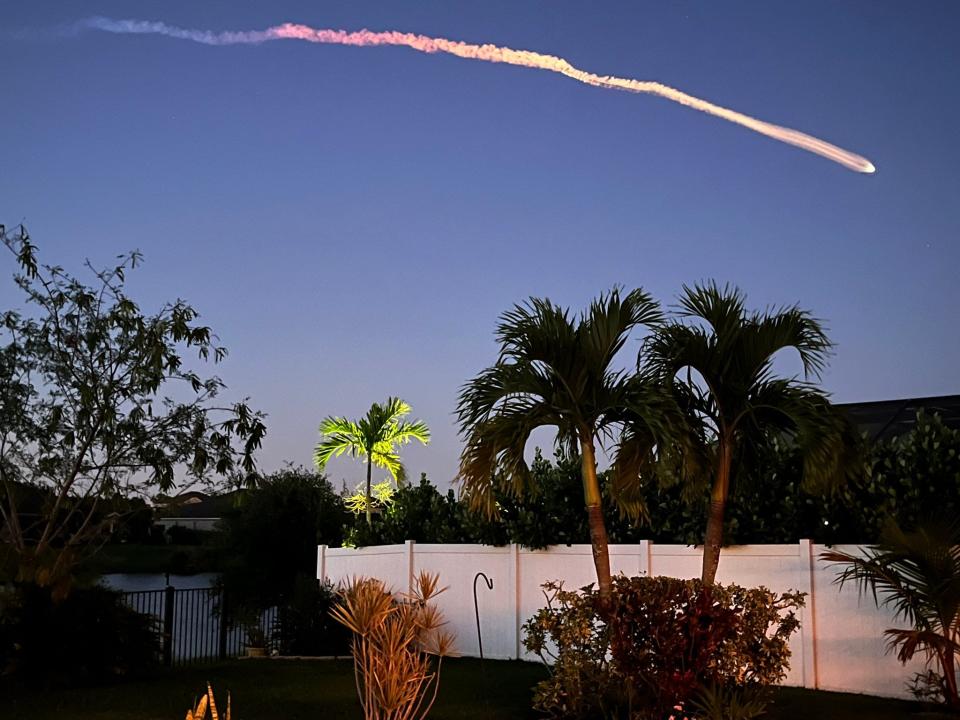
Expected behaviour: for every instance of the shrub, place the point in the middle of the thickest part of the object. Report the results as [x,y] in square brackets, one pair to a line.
[304,625]
[663,643]
[394,641]
[90,636]
[569,636]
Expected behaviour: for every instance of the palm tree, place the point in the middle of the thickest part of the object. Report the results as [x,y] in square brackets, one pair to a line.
[718,358]
[917,574]
[375,437]
[556,371]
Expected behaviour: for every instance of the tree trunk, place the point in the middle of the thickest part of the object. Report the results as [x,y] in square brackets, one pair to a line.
[598,531]
[713,539]
[369,503]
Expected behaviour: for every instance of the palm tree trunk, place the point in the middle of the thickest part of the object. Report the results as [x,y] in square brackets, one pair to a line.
[950,679]
[598,531]
[369,502]
[713,539]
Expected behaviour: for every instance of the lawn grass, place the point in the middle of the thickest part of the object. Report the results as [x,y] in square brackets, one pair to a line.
[302,689]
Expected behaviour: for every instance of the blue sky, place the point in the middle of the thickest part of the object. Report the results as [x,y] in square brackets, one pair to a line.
[352,221]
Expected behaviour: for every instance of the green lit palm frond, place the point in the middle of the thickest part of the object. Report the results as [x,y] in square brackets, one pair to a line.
[339,436]
[376,435]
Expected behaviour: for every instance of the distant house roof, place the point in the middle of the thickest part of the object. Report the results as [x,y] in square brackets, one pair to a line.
[196,504]
[883,419]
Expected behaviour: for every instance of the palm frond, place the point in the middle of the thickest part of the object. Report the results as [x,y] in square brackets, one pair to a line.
[404,432]
[339,436]
[654,435]
[384,457]
[377,434]
[493,458]
[605,326]
[832,449]
[534,331]
[551,370]
[766,334]
[721,307]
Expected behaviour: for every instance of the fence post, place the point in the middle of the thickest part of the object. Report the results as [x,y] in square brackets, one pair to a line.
[222,626]
[808,619]
[515,593]
[645,559]
[169,598]
[410,564]
[322,563]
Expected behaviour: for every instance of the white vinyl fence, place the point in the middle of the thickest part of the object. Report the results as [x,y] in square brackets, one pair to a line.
[839,646]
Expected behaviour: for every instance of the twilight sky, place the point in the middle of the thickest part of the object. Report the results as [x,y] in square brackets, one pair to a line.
[352,221]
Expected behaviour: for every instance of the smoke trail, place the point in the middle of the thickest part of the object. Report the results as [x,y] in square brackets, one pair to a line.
[487,53]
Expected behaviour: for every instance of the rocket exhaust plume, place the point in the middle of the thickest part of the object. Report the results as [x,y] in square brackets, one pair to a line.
[487,53]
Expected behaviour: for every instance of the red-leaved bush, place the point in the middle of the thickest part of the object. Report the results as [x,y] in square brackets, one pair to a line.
[662,643]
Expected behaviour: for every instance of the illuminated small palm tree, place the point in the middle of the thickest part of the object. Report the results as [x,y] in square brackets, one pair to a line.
[718,358]
[375,437]
[560,372]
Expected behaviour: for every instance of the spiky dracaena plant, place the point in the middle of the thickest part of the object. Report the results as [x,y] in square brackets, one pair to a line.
[916,573]
[395,641]
[206,703]
[719,360]
[559,371]
[375,437]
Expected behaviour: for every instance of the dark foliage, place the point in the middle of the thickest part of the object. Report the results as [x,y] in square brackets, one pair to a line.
[180,535]
[271,537]
[134,523]
[89,637]
[304,625]
[912,477]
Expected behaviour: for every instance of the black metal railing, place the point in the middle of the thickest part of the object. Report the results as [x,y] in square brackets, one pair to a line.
[195,625]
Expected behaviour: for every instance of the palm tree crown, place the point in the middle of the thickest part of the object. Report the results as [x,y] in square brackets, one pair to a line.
[557,371]
[718,358]
[376,437]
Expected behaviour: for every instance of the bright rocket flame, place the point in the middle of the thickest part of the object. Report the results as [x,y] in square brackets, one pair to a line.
[487,53]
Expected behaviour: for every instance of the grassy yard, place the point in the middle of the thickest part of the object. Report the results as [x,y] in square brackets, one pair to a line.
[298,690]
